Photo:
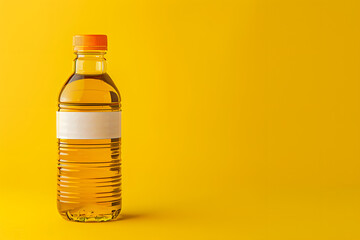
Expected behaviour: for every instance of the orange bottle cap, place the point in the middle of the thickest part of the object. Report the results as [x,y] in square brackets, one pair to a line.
[90,42]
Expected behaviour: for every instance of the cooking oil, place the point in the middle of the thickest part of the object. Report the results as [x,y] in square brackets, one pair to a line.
[89,137]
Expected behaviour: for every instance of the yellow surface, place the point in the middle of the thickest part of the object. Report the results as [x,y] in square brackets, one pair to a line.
[241,119]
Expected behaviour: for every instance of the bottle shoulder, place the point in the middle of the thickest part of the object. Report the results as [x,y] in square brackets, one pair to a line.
[88,89]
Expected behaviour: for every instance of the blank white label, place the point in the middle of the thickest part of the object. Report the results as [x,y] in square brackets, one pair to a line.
[88,125]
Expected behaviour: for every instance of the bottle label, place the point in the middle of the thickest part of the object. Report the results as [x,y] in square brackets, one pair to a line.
[88,125]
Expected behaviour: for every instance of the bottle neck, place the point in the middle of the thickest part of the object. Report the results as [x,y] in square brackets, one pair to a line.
[90,63]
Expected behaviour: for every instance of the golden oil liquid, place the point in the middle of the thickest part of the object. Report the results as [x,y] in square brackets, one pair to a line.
[89,170]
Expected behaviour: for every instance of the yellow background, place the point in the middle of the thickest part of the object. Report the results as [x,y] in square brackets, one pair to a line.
[241,119]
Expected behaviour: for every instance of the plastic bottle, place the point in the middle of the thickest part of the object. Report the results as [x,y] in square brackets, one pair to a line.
[89,137]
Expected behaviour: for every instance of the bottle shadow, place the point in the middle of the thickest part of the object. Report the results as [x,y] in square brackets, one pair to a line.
[132,216]
[128,216]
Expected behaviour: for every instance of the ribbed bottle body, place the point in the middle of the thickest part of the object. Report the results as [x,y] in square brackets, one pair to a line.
[89,168]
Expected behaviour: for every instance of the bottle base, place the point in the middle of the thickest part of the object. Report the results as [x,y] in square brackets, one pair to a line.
[91,218]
